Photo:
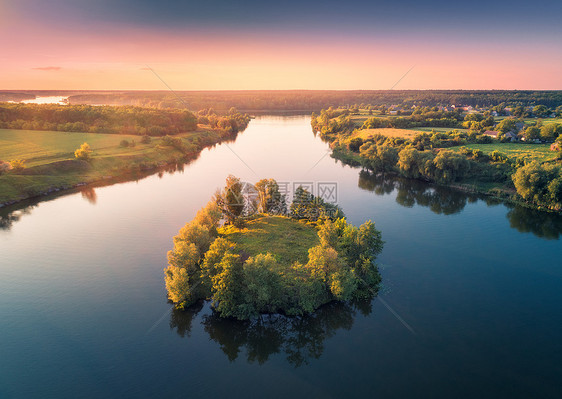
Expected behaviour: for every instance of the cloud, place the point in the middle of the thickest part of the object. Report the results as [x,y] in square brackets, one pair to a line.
[48,68]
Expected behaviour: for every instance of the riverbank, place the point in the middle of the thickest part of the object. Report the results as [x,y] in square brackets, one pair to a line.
[475,164]
[493,190]
[51,166]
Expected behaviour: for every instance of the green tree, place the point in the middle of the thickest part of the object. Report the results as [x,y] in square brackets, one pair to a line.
[263,285]
[210,266]
[507,125]
[551,131]
[532,133]
[231,200]
[541,111]
[555,191]
[343,284]
[450,166]
[84,152]
[197,234]
[519,112]
[271,200]
[178,286]
[209,217]
[379,158]
[228,289]
[532,182]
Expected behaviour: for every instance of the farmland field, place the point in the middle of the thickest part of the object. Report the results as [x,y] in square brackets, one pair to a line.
[539,152]
[437,129]
[390,132]
[44,147]
[50,162]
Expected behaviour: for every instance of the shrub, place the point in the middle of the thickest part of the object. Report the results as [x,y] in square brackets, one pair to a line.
[17,164]
[84,152]
[124,143]
[497,156]
[146,139]
[355,144]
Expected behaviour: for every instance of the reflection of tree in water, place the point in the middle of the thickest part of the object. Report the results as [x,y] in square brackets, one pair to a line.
[301,339]
[89,194]
[7,219]
[379,184]
[181,320]
[440,200]
[447,201]
[542,224]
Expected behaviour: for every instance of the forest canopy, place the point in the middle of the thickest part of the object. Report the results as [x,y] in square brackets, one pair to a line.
[96,119]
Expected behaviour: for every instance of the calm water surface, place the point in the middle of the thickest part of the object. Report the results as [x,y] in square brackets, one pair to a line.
[470,304]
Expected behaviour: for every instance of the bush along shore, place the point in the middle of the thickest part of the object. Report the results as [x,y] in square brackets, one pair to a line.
[447,158]
[252,254]
[36,163]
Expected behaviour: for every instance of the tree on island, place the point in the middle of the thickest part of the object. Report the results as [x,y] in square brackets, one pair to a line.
[271,201]
[204,264]
[230,200]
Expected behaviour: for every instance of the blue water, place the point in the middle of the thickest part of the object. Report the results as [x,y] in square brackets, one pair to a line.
[470,304]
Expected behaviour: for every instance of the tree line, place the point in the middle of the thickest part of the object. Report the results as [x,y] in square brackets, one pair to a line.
[115,119]
[315,100]
[426,157]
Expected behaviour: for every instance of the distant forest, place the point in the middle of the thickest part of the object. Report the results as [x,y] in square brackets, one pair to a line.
[304,101]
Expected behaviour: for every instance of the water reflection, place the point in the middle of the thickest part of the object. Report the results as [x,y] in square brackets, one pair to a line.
[542,224]
[7,219]
[440,200]
[89,194]
[448,201]
[299,339]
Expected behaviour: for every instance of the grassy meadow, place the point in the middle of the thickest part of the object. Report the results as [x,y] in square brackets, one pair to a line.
[538,152]
[51,164]
[288,240]
[389,132]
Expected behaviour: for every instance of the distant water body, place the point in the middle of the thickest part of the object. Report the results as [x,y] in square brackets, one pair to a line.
[61,100]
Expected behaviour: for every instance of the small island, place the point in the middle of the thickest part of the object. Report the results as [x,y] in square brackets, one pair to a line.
[252,254]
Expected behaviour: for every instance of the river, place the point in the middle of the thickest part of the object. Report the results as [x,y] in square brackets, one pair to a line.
[470,304]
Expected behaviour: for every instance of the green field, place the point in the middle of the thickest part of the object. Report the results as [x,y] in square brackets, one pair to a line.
[44,147]
[531,121]
[539,152]
[40,147]
[437,129]
[50,162]
[389,132]
[288,240]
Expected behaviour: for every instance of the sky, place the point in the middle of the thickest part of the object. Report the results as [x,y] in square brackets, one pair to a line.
[290,44]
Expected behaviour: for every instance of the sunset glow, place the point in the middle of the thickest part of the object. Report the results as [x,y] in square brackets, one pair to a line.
[82,48]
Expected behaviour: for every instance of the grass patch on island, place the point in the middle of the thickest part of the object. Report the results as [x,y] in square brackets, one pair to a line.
[286,239]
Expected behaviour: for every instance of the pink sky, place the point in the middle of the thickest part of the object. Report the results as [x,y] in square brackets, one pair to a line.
[43,56]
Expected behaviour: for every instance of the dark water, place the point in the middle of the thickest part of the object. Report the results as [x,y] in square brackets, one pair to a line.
[471,302]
